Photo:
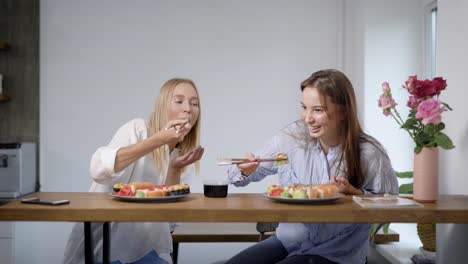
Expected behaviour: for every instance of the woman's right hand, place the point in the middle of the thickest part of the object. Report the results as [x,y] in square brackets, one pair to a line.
[250,167]
[175,131]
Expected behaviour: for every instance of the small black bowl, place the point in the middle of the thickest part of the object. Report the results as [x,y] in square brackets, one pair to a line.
[215,189]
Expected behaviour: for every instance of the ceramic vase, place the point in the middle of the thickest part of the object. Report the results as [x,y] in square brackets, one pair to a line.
[426,175]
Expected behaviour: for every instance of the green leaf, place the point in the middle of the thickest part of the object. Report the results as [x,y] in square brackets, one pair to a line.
[417,149]
[404,174]
[447,106]
[374,227]
[429,129]
[423,139]
[431,144]
[406,188]
[409,124]
[443,141]
[440,127]
[385,228]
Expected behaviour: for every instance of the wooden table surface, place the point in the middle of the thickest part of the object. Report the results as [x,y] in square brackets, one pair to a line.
[237,207]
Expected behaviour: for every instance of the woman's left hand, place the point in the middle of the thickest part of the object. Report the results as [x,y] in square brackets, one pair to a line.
[344,186]
[188,158]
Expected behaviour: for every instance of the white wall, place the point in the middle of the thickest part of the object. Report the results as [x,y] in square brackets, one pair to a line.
[102,63]
[383,43]
[452,64]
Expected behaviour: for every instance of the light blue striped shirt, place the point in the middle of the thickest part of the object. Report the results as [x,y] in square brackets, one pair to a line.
[341,243]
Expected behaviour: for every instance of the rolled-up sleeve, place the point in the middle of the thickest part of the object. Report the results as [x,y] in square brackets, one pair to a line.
[103,160]
[102,163]
[378,171]
[264,169]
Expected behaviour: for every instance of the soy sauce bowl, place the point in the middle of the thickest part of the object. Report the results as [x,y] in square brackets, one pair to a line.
[215,188]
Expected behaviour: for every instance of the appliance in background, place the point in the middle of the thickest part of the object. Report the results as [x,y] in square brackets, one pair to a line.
[17,169]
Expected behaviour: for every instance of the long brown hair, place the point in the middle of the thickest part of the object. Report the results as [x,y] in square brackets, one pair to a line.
[160,116]
[336,85]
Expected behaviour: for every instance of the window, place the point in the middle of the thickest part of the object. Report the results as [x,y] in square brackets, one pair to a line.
[430,39]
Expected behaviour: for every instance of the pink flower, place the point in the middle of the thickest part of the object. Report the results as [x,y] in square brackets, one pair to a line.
[387,112]
[429,111]
[386,103]
[409,84]
[413,102]
[386,89]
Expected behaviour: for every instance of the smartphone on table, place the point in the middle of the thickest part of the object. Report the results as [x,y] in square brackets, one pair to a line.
[36,200]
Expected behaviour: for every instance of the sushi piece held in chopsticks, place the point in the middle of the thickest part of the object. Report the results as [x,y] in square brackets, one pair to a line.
[281,159]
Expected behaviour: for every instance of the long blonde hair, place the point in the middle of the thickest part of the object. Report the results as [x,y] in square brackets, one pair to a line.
[160,116]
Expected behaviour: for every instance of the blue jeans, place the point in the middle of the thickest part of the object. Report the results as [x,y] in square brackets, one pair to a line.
[271,251]
[150,258]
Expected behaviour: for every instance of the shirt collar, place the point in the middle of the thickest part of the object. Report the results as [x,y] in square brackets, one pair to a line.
[332,151]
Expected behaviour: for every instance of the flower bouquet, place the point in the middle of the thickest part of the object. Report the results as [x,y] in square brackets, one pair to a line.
[424,123]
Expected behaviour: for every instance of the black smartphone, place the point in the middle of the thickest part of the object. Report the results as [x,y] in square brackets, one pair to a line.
[36,200]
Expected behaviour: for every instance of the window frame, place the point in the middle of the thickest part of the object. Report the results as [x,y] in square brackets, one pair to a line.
[430,39]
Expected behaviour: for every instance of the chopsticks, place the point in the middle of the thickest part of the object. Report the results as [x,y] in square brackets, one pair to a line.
[241,161]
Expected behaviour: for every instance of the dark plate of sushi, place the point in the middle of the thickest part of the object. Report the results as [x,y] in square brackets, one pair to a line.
[158,199]
[305,200]
[147,192]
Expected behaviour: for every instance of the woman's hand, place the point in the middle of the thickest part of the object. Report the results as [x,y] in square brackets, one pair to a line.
[248,168]
[176,165]
[174,131]
[344,186]
[187,159]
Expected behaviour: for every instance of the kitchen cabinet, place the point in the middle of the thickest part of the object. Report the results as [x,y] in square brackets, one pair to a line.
[4,46]
[7,242]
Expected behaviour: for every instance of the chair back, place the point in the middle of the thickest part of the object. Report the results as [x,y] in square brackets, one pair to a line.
[264,227]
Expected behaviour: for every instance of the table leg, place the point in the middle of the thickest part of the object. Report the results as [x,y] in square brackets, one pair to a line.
[88,243]
[106,243]
[175,252]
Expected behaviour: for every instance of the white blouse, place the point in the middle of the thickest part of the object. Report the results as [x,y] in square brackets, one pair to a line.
[129,241]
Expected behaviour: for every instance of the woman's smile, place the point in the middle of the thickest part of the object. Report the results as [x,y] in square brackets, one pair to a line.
[314,129]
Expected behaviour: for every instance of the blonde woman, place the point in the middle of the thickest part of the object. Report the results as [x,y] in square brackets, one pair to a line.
[164,150]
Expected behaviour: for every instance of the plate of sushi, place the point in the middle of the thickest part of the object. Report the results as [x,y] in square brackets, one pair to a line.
[148,192]
[304,193]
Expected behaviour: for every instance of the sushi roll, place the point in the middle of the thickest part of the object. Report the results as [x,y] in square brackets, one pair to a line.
[141,186]
[179,189]
[185,189]
[332,190]
[116,188]
[156,193]
[321,193]
[141,193]
[281,159]
[312,192]
[271,188]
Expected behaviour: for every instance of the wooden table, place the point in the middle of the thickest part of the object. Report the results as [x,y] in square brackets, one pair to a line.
[101,207]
